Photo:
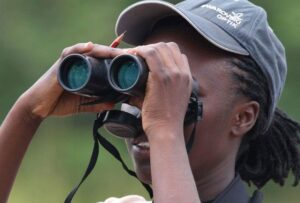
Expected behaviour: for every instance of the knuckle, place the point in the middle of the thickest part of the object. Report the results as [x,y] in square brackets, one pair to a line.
[151,52]
[182,77]
[176,74]
[173,45]
[170,76]
[161,45]
[165,78]
[187,77]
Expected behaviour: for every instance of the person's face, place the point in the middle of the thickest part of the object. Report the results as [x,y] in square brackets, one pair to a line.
[213,145]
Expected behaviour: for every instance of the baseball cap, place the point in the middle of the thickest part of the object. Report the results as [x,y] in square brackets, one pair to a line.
[236,26]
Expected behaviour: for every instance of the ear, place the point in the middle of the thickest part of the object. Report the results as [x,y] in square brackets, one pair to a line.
[245,116]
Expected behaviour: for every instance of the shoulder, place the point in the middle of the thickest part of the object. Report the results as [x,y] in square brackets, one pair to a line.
[126,199]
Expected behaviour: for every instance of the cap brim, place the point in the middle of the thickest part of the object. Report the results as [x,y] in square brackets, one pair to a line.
[139,19]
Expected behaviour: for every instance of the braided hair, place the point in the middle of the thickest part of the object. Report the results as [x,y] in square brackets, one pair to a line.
[265,155]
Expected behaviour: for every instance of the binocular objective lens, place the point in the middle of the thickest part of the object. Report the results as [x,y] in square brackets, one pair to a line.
[127,75]
[77,74]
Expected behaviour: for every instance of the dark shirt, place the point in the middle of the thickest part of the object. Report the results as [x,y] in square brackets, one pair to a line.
[236,192]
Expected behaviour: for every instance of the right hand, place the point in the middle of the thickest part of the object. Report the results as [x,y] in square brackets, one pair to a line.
[46,97]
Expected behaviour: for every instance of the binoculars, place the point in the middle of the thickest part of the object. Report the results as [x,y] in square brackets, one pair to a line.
[113,80]
[110,79]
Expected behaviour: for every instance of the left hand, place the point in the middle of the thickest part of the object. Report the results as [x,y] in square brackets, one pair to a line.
[168,87]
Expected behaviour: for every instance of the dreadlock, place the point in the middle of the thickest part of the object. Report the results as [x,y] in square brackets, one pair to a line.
[265,155]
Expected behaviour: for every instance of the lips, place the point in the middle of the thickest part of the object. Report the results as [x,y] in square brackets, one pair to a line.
[144,145]
[140,140]
[141,147]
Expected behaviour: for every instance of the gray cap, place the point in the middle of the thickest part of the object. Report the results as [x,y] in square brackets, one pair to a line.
[236,26]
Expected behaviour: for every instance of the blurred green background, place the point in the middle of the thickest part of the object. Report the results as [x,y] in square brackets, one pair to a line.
[32,35]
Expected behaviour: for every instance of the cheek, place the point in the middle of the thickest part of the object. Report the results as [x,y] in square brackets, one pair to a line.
[216,116]
[212,136]
[213,129]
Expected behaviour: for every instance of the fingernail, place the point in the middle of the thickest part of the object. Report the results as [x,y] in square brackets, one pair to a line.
[89,45]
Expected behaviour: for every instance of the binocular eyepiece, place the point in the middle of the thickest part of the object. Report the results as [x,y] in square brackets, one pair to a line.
[111,78]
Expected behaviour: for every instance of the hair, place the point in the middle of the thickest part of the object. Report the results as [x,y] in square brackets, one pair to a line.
[265,155]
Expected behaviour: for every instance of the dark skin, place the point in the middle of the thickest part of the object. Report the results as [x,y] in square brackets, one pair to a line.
[227,116]
[175,175]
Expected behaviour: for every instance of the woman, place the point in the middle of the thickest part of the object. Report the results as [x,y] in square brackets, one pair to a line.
[242,133]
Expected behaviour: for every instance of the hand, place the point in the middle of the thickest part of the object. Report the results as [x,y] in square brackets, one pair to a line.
[168,88]
[46,97]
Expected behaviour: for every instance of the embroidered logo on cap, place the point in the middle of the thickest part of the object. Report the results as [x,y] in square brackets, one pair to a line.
[233,19]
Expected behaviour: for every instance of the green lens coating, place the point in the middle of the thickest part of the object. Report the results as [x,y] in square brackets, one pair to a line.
[127,75]
[77,74]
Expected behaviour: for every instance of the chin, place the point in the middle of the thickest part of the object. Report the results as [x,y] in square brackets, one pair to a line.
[139,151]
[143,173]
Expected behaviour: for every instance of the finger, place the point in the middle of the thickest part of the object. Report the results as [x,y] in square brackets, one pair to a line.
[185,64]
[77,48]
[102,51]
[166,55]
[95,108]
[152,58]
[186,70]
[82,107]
[180,59]
[176,52]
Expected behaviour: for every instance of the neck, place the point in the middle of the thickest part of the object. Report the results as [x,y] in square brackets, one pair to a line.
[215,180]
